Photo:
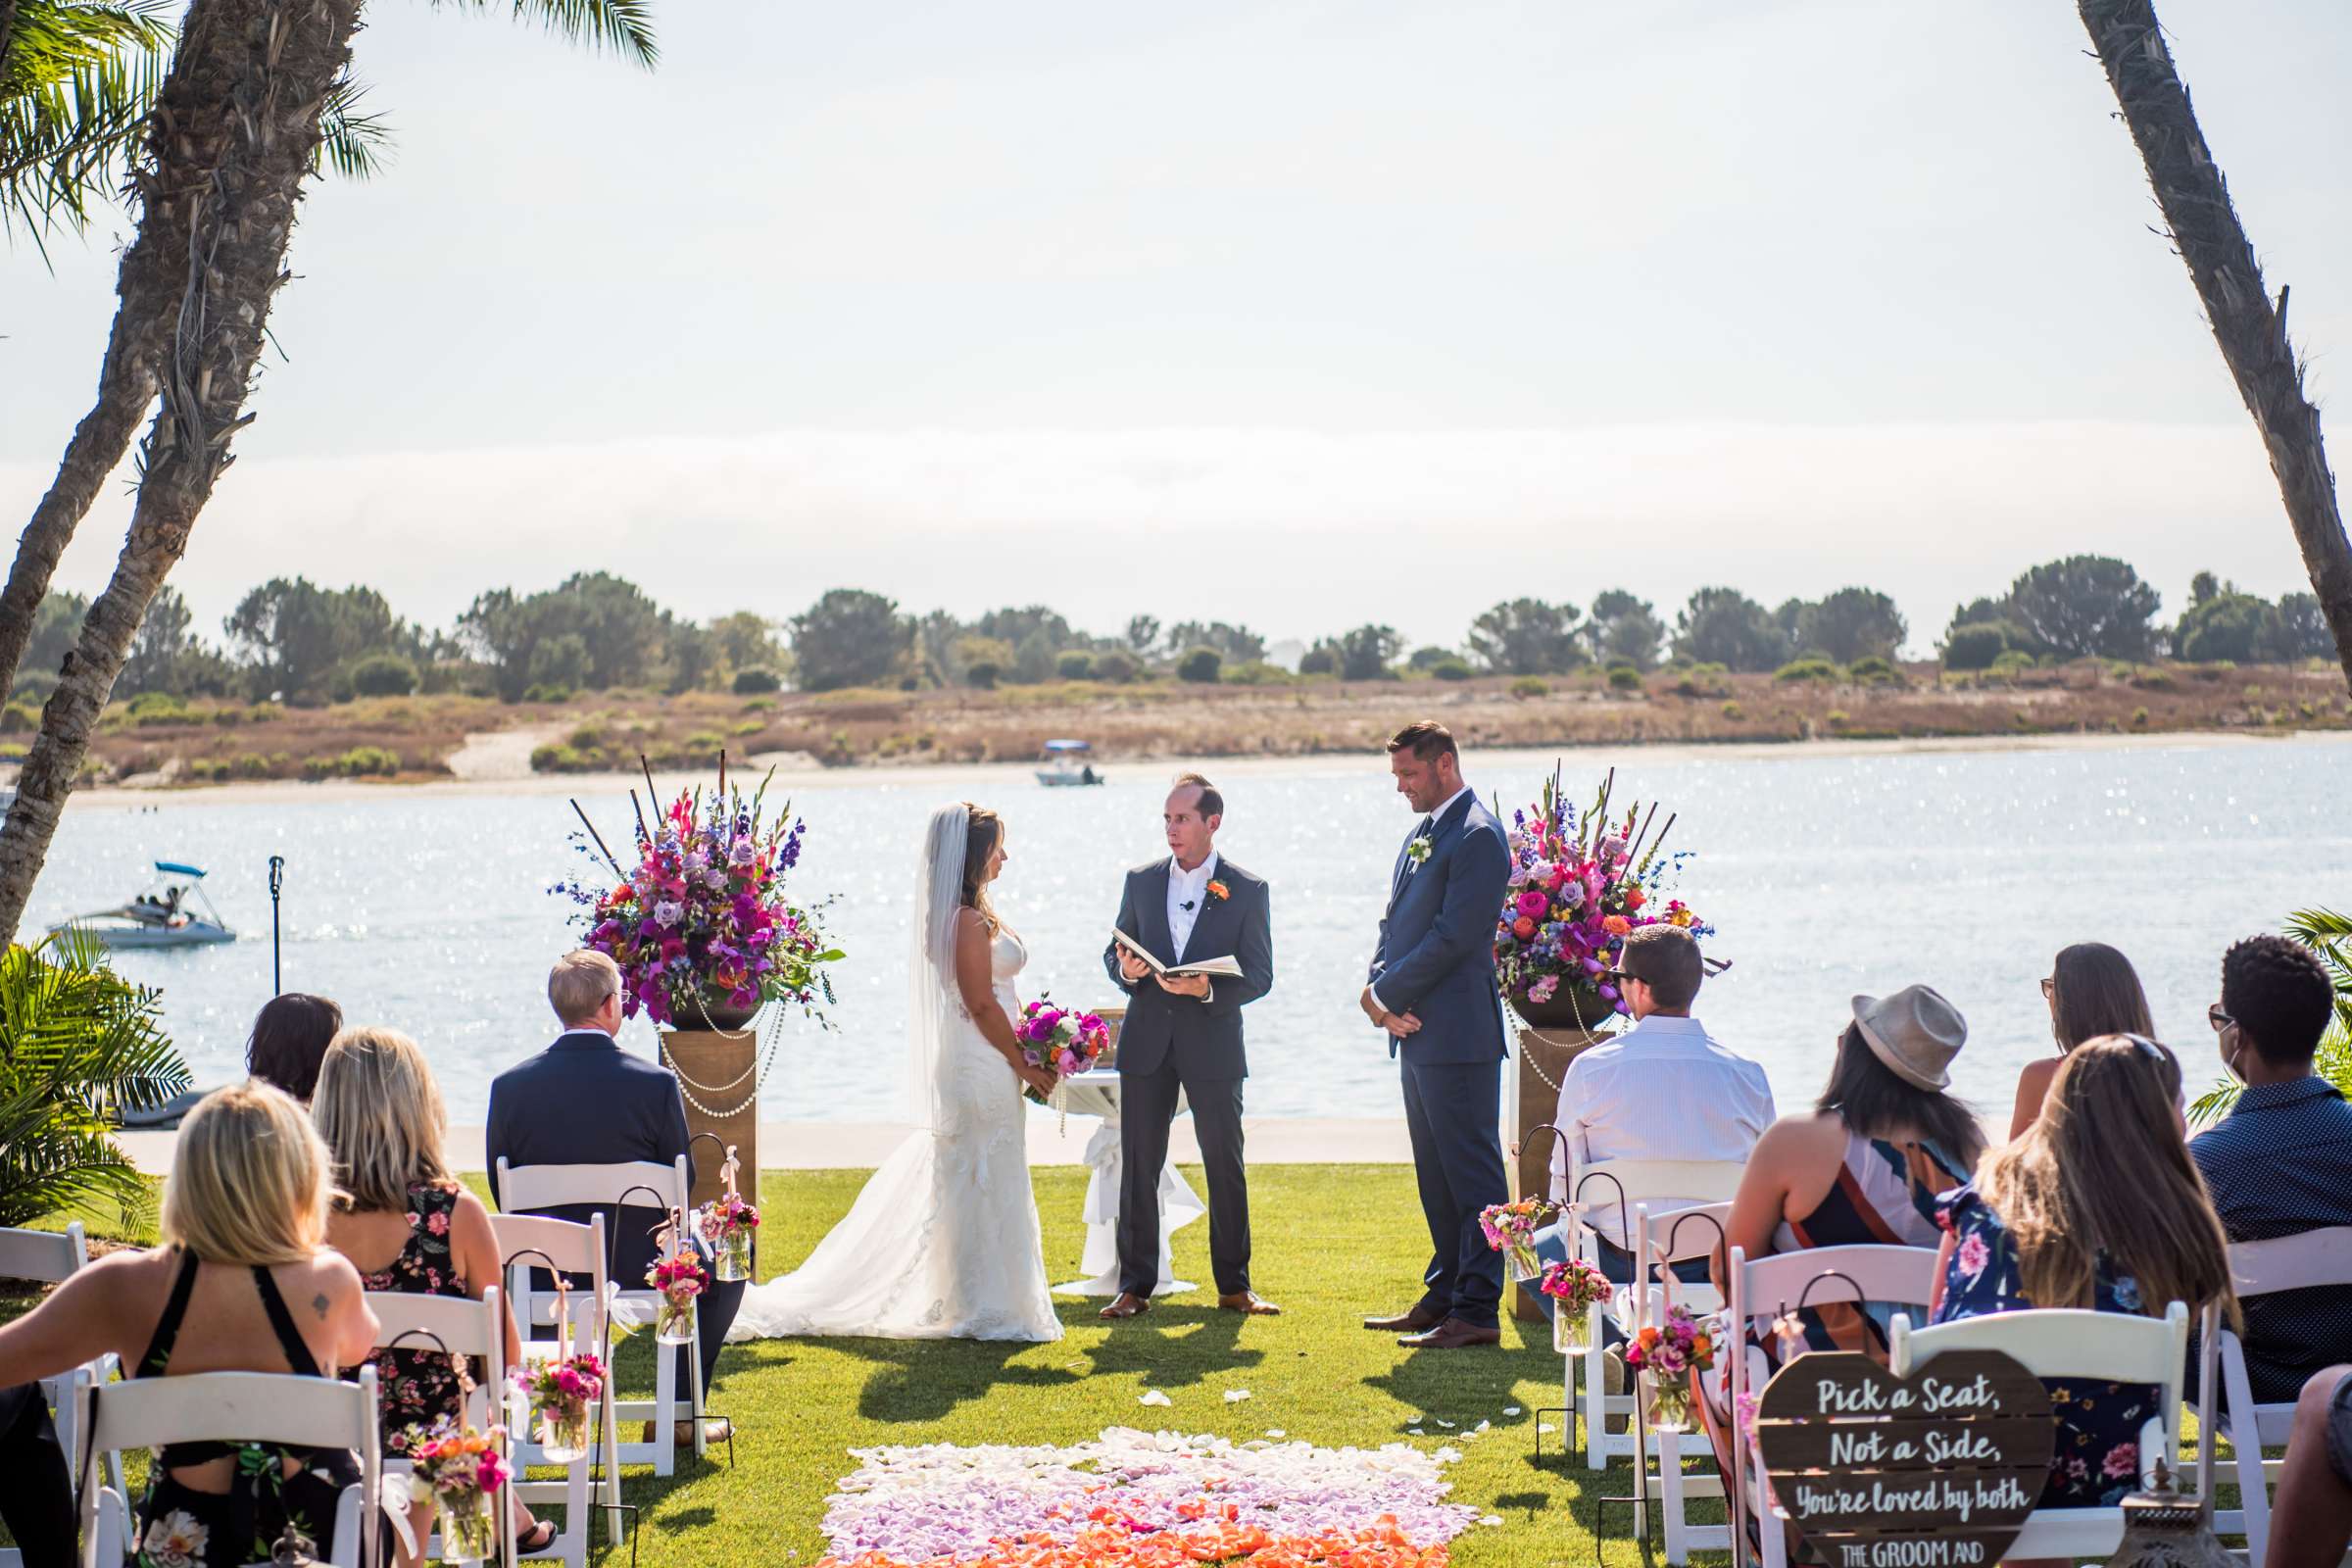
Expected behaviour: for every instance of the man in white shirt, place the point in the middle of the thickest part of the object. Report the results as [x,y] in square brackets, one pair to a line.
[1662,1090]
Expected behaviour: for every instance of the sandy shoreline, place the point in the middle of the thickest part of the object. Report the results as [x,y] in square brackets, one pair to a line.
[797,770]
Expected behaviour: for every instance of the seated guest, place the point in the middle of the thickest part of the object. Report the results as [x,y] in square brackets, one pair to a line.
[37,1503]
[408,1225]
[244,1227]
[290,1035]
[2098,1205]
[2280,1162]
[2311,1517]
[2093,990]
[584,1100]
[1609,1098]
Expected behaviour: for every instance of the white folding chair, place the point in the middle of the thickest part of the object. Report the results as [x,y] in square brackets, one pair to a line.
[2315,1258]
[2069,1343]
[232,1408]
[454,1325]
[1597,1189]
[523,1187]
[1762,1288]
[51,1257]
[525,1241]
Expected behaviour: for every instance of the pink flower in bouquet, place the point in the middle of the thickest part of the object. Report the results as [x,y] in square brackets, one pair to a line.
[1533,903]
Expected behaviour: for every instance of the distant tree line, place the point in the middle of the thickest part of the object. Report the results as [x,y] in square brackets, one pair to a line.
[293,641]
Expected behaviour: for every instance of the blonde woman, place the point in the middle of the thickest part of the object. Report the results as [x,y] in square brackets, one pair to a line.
[404,1221]
[2098,1205]
[244,1283]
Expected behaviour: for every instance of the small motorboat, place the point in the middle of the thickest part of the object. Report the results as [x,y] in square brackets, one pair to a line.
[1066,766]
[161,915]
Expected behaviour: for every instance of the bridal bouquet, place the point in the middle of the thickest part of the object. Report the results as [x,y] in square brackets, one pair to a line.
[1512,1230]
[1062,1043]
[458,1470]
[1666,1354]
[703,921]
[1579,884]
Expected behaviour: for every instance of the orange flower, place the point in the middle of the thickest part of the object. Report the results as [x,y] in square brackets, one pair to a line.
[1616,925]
[1219,891]
[1635,898]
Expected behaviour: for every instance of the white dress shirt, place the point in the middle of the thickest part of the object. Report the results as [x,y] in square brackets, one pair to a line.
[1187,892]
[1662,1090]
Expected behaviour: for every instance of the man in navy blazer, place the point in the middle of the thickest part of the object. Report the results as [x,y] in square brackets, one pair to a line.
[1432,988]
[1184,1036]
[584,1100]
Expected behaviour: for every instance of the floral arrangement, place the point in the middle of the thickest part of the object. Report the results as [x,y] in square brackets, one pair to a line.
[1062,1042]
[1511,1231]
[680,1280]
[1581,884]
[1574,1285]
[1145,1499]
[1666,1354]
[561,1390]
[727,1223]
[458,1470]
[703,920]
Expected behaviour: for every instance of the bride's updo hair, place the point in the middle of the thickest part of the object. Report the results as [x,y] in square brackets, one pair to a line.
[983,831]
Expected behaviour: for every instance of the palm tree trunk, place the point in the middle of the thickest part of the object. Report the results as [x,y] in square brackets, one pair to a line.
[235,132]
[2251,333]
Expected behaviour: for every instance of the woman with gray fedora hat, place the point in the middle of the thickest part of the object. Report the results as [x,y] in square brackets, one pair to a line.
[1864,1166]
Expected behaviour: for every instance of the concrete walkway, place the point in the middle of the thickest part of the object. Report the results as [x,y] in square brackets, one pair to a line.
[861,1145]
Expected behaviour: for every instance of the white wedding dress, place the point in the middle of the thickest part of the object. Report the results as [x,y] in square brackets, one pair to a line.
[943,1242]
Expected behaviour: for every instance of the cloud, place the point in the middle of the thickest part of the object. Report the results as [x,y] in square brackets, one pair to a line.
[1296,532]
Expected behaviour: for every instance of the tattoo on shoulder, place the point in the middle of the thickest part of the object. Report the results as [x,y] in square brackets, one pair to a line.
[319,1304]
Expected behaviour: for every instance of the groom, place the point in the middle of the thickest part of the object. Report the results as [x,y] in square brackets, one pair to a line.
[1432,988]
[1185,1036]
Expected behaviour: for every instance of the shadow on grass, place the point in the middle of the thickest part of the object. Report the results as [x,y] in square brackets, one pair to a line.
[1173,1346]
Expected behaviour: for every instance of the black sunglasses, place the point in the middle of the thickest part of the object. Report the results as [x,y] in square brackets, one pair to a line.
[2220,1020]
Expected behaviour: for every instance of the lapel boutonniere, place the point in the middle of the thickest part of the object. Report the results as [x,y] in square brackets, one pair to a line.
[1415,853]
[1219,892]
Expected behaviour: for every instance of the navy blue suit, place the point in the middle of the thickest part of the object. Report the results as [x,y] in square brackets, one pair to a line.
[1436,960]
[584,1100]
[1192,1045]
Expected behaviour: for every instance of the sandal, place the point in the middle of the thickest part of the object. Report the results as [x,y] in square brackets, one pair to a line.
[538,1539]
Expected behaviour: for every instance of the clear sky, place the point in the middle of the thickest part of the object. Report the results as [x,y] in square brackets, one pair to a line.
[1300,313]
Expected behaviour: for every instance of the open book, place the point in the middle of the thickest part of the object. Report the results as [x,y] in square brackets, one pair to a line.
[1226,967]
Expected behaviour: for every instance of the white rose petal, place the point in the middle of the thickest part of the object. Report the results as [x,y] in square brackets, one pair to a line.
[1491,1519]
[1447,1425]
[1510,1410]
[1276,1433]
[1236,1396]
[1155,1397]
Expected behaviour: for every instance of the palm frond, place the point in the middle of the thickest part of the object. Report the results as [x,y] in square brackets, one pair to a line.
[624,27]
[354,145]
[76,88]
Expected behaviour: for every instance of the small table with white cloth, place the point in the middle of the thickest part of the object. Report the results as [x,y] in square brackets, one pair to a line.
[1096,1093]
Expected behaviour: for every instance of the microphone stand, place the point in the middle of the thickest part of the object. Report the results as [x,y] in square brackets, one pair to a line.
[277,882]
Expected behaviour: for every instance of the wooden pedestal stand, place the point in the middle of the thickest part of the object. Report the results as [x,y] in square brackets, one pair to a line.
[1543,1054]
[719,1072]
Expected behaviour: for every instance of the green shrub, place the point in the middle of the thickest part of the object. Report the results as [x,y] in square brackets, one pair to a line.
[1836,719]
[80,1038]
[555,758]
[150,708]
[1074,663]
[1709,679]
[1449,667]
[541,692]
[759,704]
[2153,680]
[1257,673]
[363,760]
[1810,668]
[2139,719]
[706,743]
[1321,660]
[1975,646]
[19,718]
[754,680]
[383,675]
[982,674]
[2014,662]
[1201,666]
[1734,711]
[749,727]
[1873,671]
[1531,686]
[1624,678]
[251,764]
[1116,667]
[588,737]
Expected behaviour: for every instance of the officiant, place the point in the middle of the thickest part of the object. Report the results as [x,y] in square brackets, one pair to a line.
[1183,1038]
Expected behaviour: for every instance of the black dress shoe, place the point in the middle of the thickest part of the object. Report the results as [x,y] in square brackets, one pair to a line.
[1418,1321]
[1451,1334]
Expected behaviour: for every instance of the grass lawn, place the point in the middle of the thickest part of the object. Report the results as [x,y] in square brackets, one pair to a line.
[1332,1242]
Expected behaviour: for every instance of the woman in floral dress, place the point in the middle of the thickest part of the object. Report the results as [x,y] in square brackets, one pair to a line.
[2098,1205]
[408,1225]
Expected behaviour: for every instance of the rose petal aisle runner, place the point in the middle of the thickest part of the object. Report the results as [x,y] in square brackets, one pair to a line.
[1143,1499]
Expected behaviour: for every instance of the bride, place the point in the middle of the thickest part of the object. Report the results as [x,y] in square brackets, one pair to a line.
[943,1242]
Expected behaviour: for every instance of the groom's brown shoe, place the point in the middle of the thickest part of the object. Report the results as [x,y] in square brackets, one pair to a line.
[1129,1304]
[1249,1302]
[1451,1334]
[1419,1320]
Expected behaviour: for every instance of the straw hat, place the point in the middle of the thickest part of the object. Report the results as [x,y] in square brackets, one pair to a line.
[1915,1032]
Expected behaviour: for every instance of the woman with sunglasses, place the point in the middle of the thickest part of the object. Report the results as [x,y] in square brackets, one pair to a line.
[2091,990]
[2098,1205]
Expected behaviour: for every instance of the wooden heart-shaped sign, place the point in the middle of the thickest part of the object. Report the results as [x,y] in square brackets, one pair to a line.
[1935,1470]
